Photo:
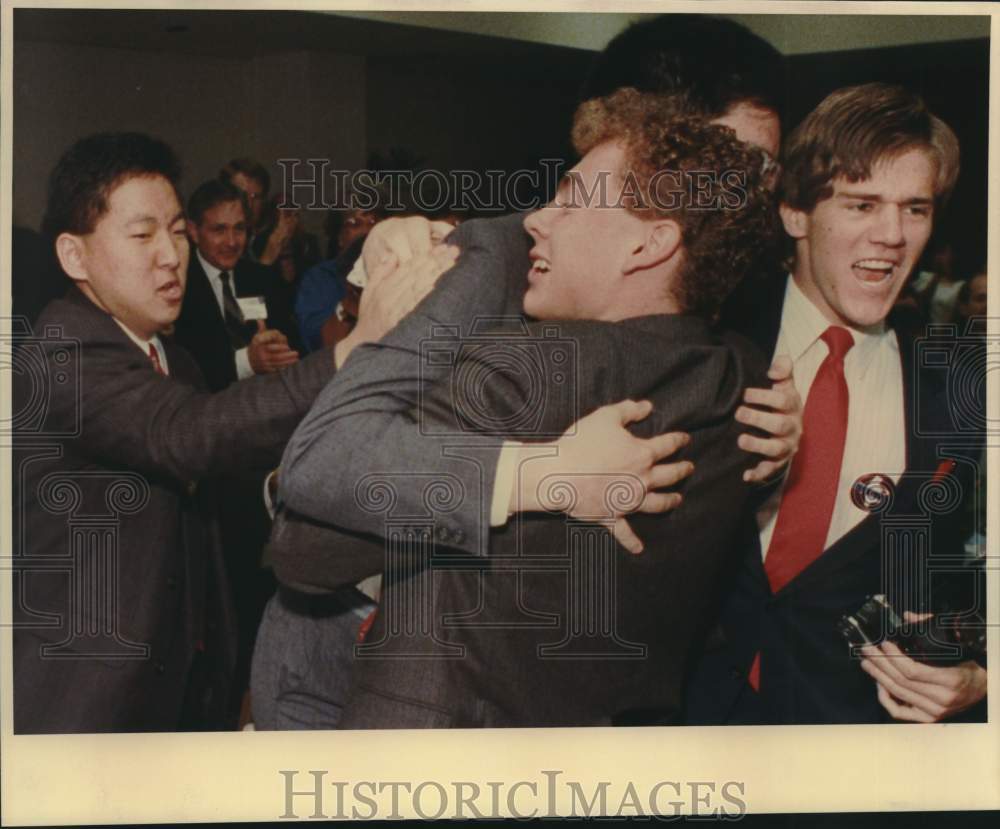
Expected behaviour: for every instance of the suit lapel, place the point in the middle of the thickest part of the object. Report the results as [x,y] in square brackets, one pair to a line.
[199,299]
[865,537]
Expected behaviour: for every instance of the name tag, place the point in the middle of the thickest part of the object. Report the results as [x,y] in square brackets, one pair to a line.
[252,307]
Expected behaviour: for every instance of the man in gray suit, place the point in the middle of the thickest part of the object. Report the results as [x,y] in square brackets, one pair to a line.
[492,640]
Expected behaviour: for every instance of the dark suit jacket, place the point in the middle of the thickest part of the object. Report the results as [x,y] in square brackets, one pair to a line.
[807,672]
[560,626]
[200,327]
[115,552]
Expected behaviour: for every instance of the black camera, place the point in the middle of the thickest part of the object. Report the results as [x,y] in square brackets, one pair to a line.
[951,635]
[42,365]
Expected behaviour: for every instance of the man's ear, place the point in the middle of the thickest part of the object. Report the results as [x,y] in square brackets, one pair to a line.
[72,256]
[192,231]
[796,221]
[660,240]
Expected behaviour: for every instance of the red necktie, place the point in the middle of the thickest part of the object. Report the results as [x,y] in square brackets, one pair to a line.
[154,358]
[811,489]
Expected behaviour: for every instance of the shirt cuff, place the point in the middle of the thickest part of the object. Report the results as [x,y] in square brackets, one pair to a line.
[358,276]
[503,483]
[243,369]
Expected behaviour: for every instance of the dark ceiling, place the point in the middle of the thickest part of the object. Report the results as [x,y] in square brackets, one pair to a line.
[239,34]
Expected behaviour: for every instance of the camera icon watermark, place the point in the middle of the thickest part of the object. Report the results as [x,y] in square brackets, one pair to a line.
[501,380]
[43,366]
[960,363]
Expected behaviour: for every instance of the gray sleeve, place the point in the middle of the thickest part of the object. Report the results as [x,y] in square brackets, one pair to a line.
[369,453]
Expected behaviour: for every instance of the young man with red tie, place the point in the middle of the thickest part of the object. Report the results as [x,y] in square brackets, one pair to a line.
[863,176]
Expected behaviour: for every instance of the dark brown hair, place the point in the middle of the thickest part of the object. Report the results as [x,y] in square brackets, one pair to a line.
[853,129]
[211,193]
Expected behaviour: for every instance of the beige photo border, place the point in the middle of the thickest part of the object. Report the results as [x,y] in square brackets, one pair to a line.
[157,778]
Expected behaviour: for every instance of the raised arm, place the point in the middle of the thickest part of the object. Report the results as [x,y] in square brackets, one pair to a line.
[365,424]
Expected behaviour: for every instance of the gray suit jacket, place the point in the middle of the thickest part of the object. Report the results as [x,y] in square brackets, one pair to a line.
[363,429]
[117,571]
[473,627]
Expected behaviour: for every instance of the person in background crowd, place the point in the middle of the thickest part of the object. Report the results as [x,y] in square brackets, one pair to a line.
[323,287]
[299,252]
[971,300]
[343,226]
[229,298]
[267,238]
[937,289]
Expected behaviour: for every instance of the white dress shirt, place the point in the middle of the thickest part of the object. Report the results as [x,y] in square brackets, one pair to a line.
[243,368]
[145,344]
[876,423]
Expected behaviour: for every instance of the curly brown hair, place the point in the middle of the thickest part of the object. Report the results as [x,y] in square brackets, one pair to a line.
[679,166]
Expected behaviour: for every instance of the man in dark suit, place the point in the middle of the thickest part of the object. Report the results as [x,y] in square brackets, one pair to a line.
[863,510]
[512,638]
[122,621]
[228,297]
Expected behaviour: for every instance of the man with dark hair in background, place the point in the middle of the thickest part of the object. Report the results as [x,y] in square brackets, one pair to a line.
[228,298]
[863,177]
[727,69]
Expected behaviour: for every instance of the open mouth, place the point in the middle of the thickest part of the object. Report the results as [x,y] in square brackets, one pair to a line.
[874,271]
[539,265]
[171,292]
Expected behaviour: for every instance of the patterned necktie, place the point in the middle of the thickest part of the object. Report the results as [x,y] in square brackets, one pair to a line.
[232,314]
[154,358]
[811,489]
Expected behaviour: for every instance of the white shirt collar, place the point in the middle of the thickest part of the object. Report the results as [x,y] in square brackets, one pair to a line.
[145,344]
[802,323]
[211,271]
